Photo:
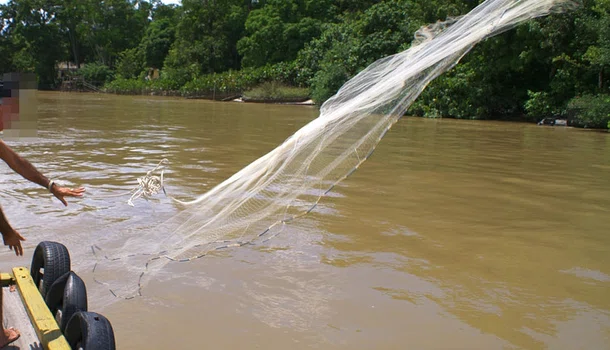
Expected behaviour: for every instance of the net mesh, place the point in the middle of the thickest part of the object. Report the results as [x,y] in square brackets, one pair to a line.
[288,182]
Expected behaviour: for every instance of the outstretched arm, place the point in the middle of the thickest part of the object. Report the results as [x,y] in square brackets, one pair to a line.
[22,166]
[28,171]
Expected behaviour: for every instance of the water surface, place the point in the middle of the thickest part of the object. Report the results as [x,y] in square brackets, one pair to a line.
[454,235]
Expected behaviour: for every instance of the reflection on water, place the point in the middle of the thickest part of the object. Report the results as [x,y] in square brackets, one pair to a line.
[455,234]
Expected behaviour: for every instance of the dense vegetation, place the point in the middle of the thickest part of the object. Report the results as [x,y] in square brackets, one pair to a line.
[553,66]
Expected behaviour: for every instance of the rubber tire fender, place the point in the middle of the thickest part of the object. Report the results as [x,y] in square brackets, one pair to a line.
[54,258]
[89,331]
[68,294]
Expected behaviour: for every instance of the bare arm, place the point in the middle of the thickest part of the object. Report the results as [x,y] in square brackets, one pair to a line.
[28,171]
[22,166]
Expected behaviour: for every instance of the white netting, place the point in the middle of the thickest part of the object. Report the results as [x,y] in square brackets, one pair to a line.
[289,181]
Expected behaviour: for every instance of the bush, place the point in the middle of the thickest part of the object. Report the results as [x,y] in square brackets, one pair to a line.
[327,82]
[131,63]
[540,105]
[217,85]
[127,86]
[140,86]
[96,73]
[235,82]
[275,91]
[590,111]
[453,95]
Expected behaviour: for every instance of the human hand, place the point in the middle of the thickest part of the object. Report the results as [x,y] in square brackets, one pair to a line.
[13,239]
[61,192]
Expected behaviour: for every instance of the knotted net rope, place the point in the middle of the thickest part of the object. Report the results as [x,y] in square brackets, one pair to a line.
[149,184]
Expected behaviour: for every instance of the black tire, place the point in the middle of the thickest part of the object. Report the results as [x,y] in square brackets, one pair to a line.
[67,294]
[89,331]
[54,258]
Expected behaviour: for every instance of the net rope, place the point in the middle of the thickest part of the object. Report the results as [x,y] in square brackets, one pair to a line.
[258,201]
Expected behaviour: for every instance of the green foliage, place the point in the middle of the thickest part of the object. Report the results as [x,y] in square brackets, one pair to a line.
[6,54]
[176,71]
[221,84]
[33,37]
[235,82]
[206,37]
[128,86]
[96,73]
[157,41]
[131,63]
[259,47]
[541,105]
[113,27]
[277,31]
[451,95]
[215,85]
[590,111]
[139,86]
[327,82]
[535,69]
[276,92]
[345,48]
[229,46]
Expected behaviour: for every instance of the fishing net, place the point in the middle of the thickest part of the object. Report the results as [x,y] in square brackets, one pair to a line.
[288,182]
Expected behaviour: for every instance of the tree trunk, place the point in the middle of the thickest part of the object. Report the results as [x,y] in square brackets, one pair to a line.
[74,44]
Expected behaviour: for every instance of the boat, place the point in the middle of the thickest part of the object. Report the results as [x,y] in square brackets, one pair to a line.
[48,305]
[555,121]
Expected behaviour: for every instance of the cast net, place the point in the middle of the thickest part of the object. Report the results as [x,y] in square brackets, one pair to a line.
[288,182]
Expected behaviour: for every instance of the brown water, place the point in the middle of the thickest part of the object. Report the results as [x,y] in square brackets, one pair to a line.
[454,235]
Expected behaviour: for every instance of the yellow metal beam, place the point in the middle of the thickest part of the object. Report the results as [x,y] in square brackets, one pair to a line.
[6,279]
[43,321]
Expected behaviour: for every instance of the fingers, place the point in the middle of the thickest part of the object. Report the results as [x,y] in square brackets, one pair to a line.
[18,249]
[72,192]
[78,191]
[61,192]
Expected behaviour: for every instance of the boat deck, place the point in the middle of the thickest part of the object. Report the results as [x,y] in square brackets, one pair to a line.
[14,315]
[25,310]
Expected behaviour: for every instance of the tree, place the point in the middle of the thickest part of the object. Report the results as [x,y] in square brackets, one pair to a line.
[130,63]
[206,35]
[280,29]
[70,14]
[33,36]
[360,38]
[157,41]
[113,26]
[598,54]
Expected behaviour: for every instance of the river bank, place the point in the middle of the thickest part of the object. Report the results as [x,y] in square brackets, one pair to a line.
[265,97]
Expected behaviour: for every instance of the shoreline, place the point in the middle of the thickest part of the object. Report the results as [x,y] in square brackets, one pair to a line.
[238,98]
[235,97]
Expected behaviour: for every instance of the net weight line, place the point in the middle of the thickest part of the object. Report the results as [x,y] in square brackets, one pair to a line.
[150,185]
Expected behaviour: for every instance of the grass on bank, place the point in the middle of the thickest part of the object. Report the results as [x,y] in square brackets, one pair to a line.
[275,91]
